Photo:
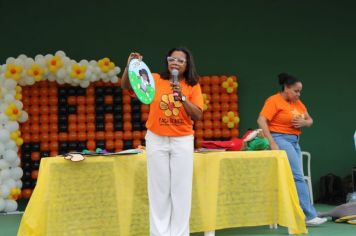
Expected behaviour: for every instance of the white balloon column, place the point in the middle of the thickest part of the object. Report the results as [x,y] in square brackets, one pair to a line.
[22,71]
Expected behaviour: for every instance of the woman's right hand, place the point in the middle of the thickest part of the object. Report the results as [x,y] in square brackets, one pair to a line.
[274,146]
[134,55]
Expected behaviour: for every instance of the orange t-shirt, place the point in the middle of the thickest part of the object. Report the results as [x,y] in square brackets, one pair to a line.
[280,114]
[168,117]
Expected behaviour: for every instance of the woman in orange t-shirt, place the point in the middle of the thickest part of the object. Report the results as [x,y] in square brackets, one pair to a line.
[281,119]
[170,142]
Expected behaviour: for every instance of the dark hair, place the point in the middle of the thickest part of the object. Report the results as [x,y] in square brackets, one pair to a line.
[285,79]
[191,76]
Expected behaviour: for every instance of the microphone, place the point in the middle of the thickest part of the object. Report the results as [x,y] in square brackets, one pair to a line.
[175,82]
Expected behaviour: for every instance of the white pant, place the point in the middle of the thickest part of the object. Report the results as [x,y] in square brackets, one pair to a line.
[170,175]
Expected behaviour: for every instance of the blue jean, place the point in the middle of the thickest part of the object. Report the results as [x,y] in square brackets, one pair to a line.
[290,143]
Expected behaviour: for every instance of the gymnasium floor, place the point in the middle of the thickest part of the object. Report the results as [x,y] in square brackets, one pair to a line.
[9,224]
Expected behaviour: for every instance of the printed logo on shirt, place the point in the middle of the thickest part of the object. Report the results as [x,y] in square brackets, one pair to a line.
[297,114]
[170,109]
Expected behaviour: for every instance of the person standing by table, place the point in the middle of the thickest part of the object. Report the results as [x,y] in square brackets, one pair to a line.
[170,142]
[281,119]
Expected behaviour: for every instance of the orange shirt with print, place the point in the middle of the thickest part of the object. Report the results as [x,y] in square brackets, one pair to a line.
[168,117]
[280,114]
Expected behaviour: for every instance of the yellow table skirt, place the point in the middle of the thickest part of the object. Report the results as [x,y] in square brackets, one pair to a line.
[108,195]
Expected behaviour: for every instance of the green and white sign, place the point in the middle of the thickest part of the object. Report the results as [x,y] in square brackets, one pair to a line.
[142,81]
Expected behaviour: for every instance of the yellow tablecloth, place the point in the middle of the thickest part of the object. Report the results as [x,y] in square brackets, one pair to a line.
[108,195]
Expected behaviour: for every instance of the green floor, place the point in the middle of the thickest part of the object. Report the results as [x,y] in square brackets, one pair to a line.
[10,223]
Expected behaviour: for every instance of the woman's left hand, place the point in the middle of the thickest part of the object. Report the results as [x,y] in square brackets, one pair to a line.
[299,122]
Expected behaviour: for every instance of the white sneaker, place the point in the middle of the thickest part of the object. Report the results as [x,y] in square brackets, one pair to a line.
[316,221]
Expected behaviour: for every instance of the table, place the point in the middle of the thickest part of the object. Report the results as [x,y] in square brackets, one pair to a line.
[108,195]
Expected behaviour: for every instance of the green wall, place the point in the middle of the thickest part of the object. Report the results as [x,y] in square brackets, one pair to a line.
[256,40]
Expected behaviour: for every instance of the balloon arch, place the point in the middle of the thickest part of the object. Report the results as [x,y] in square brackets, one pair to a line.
[65,105]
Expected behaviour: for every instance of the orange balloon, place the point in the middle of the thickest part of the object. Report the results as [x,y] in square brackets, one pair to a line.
[108,99]
[198,133]
[72,127]
[90,118]
[53,136]
[35,119]
[109,144]
[81,100]
[207,115]
[90,109]
[26,137]
[35,137]
[198,124]
[53,110]
[81,109]
[109,135]
[127,135]
[225,106]
[53,127]
[143,134]
[127,108]
[72,100]
[127,117]
[215,97]
[144,117]
[208,133]
[118,135]
[91,145]
[145,108]
[224,98]
[26,193]
[44,137]
[81,118]
[208,124]
[127,126]
[226,133]
[91,135]
[234,133]
[198,142]
[53,146]
[109,118]
[53,153]
[118,145]
[126,99]
[44,119]
[136,135]
[44,128]
[136,143]
[90,100]
[73,136]
[217,133]
[90,127]
[90,91]
[100,135]
[206,89]
[82,136]
[34,174]
[35,156]
[34,110]
[216,106]
[62,136]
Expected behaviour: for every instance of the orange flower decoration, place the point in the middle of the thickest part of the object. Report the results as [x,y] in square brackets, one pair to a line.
[13,72]
[78,71]
[54,64]
[229,84]
[206,101]
[36,72]
[14,194]
[170,106]
[106,65]
[230,120]
[13,112]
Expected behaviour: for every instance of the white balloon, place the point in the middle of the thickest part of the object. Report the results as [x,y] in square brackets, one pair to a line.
[16,163]
[4,165]
[2,204]
[12,126]
[48,56]
[10,60]
[10,156]
[16,173]
[5,174]
[19,184]
[114,79]
[4,135]
[84,84]
[9,98]
[22,57]
[3,118]
[84,62]
[61,73]
[9,84]
[60,53]
[10,205]
[11,145]
[23,117]
[93,63]
[19,104]
[10,182]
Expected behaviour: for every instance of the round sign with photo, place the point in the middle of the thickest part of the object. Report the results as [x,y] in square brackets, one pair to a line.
[141,81]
